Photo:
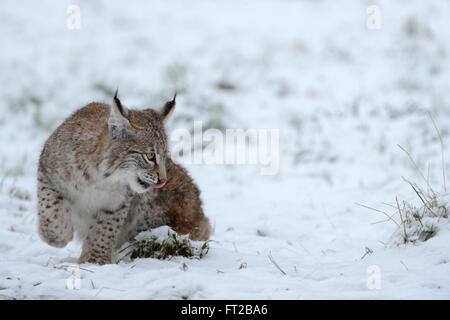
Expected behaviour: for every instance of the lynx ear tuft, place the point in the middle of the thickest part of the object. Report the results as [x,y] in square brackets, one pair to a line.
[118,118]
[117,104]
[168,109]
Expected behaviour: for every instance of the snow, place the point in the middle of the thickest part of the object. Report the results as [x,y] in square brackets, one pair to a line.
[342,95]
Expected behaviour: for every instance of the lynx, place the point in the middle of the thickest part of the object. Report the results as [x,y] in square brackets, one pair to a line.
[104,175]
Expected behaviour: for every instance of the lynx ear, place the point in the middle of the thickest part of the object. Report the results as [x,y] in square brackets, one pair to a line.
[168,109]
[118,118]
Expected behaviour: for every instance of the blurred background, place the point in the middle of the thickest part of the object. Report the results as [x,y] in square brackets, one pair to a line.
[343,89]
[339,90]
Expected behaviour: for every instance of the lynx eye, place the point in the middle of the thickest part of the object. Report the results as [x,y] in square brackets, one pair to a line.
[149,157]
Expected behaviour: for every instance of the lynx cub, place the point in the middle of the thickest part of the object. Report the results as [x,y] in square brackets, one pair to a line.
[104,175]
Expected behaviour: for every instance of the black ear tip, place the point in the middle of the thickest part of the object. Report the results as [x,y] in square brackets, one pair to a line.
[171,103]
[117,102]
[168,107]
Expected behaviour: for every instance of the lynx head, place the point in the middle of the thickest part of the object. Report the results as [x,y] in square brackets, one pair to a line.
[138,146]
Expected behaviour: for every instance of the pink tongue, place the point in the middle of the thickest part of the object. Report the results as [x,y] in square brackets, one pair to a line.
[159,185]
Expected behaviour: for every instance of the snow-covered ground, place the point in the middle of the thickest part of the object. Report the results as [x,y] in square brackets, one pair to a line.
[342,95]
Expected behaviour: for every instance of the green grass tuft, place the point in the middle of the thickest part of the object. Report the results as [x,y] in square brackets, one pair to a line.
[173,245]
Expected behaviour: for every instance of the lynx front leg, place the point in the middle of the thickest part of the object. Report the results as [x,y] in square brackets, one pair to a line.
[99,245]
[55,224]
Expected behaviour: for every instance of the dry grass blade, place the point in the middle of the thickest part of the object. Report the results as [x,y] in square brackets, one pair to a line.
[418,192]
[107,288]
[405,236]
[442,150]
[381,221]
[415,166]
[66,267]
[389,205]
[387,215]
[275,263]
[404,265]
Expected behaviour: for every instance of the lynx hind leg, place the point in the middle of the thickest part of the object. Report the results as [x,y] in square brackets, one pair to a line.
[185,213]
[185,221]
[202,232]
[55,224]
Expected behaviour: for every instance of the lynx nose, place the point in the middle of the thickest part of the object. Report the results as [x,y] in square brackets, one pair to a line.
[162,175]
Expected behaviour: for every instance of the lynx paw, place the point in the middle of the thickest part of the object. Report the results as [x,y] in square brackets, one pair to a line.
[94,259]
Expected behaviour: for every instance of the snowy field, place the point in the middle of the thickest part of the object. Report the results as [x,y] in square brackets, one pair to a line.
[342,95]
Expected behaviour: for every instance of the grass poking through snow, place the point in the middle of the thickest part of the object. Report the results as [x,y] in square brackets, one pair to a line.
[418,223]
[153,245]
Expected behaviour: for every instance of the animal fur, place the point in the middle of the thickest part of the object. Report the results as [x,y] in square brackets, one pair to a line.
[104,176]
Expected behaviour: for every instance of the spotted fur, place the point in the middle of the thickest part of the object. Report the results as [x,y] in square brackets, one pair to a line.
[97,179]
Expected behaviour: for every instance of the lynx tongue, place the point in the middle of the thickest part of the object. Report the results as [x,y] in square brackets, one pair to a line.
[160,184]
